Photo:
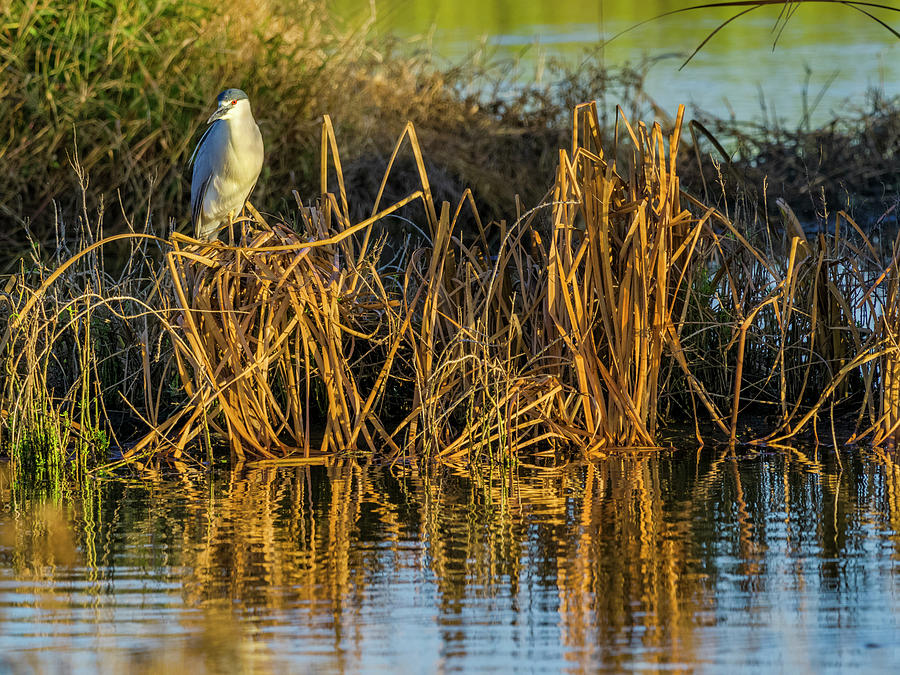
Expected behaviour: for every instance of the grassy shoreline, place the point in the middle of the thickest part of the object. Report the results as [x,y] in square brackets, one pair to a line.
[127,85]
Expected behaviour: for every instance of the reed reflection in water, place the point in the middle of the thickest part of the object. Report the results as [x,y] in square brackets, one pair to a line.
[685,562]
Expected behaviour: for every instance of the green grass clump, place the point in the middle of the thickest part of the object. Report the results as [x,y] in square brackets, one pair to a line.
[79,349]
[104,73]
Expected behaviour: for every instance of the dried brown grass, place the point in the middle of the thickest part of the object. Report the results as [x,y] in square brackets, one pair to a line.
[575,327]
[531,345]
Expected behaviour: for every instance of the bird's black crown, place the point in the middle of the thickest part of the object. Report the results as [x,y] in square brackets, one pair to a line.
[232,95]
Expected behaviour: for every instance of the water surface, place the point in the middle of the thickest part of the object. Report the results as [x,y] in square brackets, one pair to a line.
[690,562]
[738,72]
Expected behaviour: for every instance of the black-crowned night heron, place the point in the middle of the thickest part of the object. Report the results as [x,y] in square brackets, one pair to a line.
[227,162]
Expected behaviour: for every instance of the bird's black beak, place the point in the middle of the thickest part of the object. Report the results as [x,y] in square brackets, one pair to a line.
[221,110]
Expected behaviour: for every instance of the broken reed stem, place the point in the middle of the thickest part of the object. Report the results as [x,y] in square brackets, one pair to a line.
[888,431]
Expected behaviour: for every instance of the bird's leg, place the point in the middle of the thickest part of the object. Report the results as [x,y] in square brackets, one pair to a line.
[231,227]
[243,221]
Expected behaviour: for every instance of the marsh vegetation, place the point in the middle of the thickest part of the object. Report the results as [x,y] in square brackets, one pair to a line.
[494,370]
[616,303]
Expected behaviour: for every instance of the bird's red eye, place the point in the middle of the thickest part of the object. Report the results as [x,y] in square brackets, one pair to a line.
[234,102]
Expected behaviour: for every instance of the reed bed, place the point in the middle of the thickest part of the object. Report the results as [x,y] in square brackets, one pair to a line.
[617,304]
[81,347]
[499,349]
[793,328]
[258,322]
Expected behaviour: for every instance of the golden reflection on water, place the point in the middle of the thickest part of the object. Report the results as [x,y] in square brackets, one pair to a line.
[616,564]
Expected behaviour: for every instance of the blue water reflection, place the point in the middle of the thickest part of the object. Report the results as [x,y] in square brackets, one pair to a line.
[704,562]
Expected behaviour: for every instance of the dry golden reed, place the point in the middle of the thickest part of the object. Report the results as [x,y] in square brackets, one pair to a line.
[577,326]
[533,343]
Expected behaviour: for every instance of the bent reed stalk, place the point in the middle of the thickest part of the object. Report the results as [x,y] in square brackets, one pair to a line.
[616,304]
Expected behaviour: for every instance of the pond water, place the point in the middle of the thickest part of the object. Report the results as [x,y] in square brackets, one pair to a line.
[693,561]
[846,52]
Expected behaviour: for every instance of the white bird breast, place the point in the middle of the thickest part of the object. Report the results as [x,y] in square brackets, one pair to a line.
[233,147]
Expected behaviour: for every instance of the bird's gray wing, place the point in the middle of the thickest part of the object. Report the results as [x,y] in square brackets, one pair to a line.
[197,201]
[203,159]
[202,138]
